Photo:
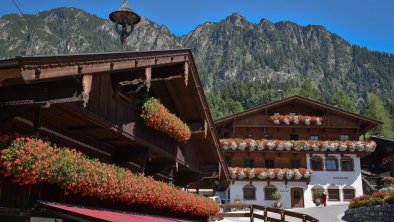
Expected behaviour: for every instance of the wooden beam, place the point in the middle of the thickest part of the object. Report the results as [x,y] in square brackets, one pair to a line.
[175,99]
[122,157]
[37,122]
[103,63]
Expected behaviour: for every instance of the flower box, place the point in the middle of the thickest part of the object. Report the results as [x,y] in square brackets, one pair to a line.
[156,115]
[29,161]
[300,145]
[296,120]
[268,173]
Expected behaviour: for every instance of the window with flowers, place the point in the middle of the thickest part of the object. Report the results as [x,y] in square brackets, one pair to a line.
[269,190]
[249,192]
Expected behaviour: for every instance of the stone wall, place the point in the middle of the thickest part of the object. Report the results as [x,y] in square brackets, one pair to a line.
[381,213]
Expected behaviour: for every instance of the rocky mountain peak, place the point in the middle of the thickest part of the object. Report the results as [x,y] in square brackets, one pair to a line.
[232,49]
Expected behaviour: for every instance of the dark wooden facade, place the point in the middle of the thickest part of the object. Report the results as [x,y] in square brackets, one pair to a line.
[92,102]
[255,124]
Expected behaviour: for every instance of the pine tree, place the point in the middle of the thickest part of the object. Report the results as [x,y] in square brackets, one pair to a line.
[342,100]
[377,110]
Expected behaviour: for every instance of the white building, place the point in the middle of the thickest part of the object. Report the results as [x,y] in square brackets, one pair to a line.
[294,146]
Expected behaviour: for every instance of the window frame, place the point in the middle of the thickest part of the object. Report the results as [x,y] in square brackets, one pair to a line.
[270,188]
[251,188]
[314,158]
[294,135]
[349,189]
[347,159]
[344,135]
[329,196]
[291,163]
[249,160]
[331,159]
[265,163]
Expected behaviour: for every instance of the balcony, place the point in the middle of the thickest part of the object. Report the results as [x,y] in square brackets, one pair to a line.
[271,174]
[251,145]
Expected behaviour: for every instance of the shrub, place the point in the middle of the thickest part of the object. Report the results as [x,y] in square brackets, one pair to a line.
[389,199]
[374,201]
[276,195]
[317,192]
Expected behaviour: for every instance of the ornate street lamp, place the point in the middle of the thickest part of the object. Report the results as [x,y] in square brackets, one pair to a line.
[126,18]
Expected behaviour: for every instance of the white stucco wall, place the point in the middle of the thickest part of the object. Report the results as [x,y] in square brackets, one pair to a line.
[322,178]
[236,192]
[335,178]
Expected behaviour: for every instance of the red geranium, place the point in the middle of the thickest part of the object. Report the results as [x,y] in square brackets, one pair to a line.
[157,116]
[30,161]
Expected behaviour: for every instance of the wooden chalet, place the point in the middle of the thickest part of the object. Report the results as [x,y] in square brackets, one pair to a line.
[92,102]
[293,136]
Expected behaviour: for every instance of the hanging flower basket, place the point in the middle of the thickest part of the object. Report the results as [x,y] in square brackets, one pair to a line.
[300,145]
[268,173]
[156,115]
[296,120]
[31,161]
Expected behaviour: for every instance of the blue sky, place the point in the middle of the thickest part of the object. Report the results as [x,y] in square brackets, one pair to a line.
[367,23]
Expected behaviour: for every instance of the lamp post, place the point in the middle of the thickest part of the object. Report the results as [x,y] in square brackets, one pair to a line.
[124,19]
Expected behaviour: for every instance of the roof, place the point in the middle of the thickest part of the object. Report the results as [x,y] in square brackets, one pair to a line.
[87,214]
[300,98]
[28,70]
[383,138]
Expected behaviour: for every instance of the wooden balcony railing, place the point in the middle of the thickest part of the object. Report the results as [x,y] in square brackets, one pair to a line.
[269,214]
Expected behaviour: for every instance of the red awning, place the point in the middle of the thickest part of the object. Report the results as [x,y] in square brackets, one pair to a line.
[106,215]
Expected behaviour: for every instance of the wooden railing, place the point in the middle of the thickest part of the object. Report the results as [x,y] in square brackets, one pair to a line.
[264,216]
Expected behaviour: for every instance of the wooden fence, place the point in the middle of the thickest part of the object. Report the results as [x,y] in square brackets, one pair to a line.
[251,214]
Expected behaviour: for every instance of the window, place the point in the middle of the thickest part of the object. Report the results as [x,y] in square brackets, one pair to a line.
[347,164]
[333,194]
[348,193]
[247,136]
[344,137]
[276,114]
[314,137]
[316,163]
[249,192]
[269,191]
[248,163]
[269,164]
[331,164]
[268,136]
[293,114]
[294,137]
[295,164]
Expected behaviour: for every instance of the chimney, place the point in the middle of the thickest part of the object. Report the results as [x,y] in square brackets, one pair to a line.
[280,94]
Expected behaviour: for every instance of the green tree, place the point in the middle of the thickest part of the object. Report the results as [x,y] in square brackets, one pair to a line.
[377,110]
[308,90]
[342,100]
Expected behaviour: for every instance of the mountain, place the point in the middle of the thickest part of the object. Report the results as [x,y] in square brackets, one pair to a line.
[231,54]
